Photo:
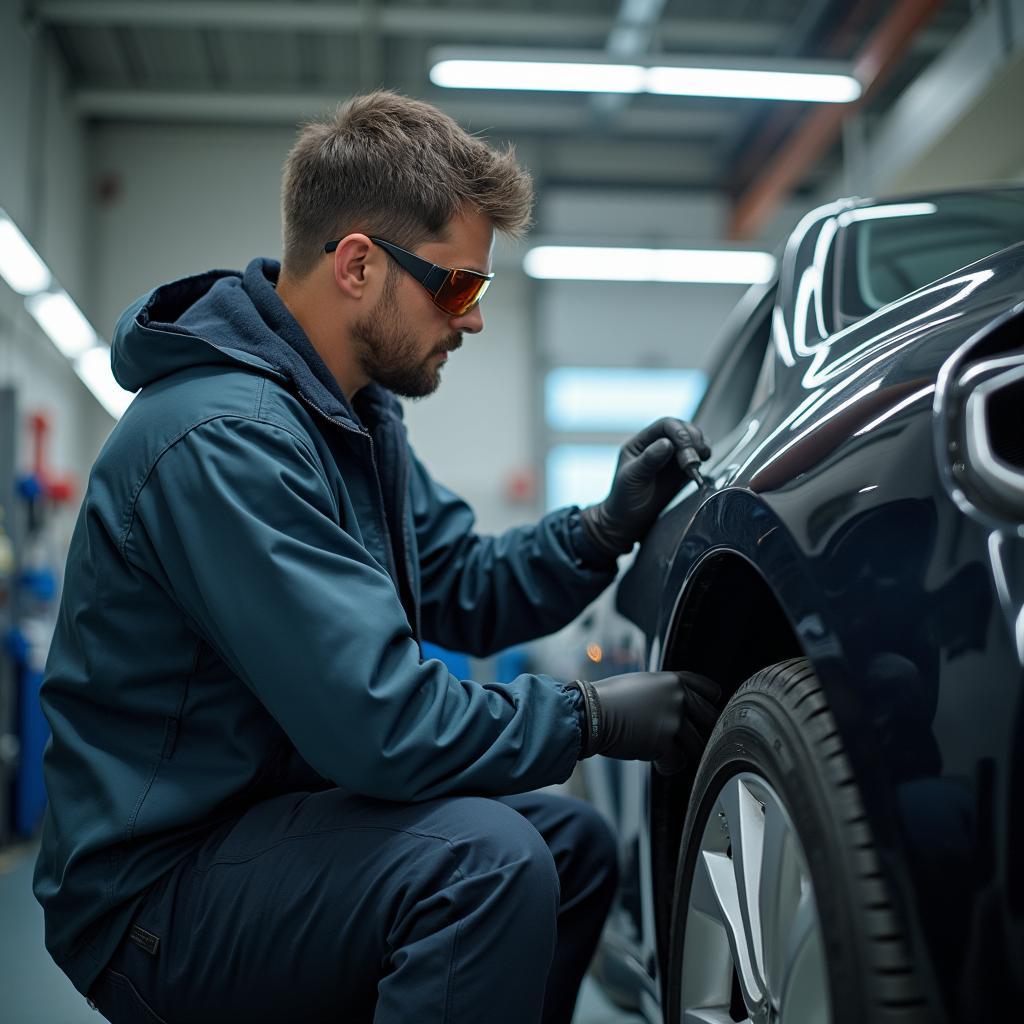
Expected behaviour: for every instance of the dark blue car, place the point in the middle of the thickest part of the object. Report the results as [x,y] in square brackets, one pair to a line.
[851,847]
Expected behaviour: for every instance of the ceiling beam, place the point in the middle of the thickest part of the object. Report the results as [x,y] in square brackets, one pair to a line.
[951,124]
[371,55]
[822,127]
[760,119]
[429,22]
[773,122]
[630,37]
[422,22]
[553,116]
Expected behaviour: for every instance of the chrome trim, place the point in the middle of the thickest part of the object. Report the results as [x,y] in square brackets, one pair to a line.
[1003,479]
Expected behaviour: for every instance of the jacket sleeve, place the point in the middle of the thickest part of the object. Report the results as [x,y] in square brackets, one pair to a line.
[238,522]
[481,594]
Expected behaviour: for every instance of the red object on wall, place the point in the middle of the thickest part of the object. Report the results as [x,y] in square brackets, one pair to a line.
[57,488]
[520,487]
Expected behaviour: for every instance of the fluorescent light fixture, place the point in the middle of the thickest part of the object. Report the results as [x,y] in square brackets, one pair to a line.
[604,263]
[63,321]
[753,85]
[20,265]
[93,366]
[542,76]
[587,75]
[612,399]
[56,313]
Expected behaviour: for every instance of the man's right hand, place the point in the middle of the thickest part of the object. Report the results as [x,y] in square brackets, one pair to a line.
[664,717]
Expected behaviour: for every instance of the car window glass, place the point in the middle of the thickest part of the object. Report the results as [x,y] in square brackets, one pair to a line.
[765,383]
[739,373]
[894,249]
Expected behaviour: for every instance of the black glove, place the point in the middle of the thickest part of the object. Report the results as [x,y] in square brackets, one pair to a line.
[652,467]
[664,717]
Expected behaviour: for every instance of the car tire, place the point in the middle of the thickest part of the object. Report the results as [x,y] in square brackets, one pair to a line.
[780,912]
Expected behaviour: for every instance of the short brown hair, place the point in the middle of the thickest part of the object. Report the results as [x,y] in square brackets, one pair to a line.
[394,167]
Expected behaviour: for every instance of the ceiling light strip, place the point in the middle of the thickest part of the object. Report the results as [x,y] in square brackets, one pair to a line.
[20,265]
[542,76]
[59,317]
[593,77]
[686,266]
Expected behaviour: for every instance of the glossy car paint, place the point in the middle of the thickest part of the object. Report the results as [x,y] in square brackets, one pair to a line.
[842,493]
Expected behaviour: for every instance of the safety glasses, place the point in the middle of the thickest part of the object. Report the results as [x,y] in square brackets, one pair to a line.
[454,291]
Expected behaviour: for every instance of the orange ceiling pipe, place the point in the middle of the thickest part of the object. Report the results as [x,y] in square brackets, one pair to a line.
[823,126]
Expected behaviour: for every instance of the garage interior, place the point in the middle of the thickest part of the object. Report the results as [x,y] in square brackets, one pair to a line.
[143,141]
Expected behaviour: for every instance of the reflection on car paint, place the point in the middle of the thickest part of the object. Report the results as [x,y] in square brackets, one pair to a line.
[906,593]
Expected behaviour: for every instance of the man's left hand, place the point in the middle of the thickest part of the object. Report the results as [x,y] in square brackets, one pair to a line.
[652,467]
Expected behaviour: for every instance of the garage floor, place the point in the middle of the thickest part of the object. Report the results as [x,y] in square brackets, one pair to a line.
[33,990]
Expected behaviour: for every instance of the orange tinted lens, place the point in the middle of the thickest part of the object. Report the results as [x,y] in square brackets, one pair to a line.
[461,291]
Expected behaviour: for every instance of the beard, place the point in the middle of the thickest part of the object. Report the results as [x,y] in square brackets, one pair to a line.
[389,353]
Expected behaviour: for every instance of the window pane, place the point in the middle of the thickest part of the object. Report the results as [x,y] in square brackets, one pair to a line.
[895,249]
[579,474]
[619,399]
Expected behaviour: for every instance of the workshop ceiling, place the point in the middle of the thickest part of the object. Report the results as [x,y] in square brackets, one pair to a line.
[277,61]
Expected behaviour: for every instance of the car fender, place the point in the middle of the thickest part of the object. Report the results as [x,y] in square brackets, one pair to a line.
[734,526]
[776,611]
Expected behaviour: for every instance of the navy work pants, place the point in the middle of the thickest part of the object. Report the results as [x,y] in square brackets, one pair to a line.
[331,907]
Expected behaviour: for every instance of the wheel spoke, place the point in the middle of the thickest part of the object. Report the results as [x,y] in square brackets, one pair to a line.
[722,878]
[752,917]
[702,892]
[804,992]
[707,973]
[751,863]
[779,896]
[745,816]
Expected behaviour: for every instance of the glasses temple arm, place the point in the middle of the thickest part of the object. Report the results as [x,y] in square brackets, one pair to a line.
[435,277]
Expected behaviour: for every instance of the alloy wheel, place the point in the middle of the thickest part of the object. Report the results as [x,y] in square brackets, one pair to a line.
[754,950]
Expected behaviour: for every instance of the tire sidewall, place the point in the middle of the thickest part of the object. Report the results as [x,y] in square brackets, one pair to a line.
[756,734]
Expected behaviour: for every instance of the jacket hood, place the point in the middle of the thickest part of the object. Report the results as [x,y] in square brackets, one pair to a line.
[229,317]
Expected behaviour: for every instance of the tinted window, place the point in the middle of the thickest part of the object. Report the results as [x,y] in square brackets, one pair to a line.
[739,369]
[893,249]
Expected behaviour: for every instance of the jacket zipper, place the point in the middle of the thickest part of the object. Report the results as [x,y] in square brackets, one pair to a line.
[406,547]
[380,496]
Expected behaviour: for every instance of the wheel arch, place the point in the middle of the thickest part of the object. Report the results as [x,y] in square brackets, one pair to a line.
[739,591]
[724,587]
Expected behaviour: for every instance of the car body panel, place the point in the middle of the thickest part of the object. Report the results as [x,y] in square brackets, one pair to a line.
[833,489]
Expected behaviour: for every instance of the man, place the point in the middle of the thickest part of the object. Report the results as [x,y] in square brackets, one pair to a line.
[264,805]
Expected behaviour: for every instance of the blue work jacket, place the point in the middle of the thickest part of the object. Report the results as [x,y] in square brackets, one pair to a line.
[254,564]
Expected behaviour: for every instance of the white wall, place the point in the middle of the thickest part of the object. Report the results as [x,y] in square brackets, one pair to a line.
[42,187]
[630,324]
[477,430]
[179,200]
[958,122]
